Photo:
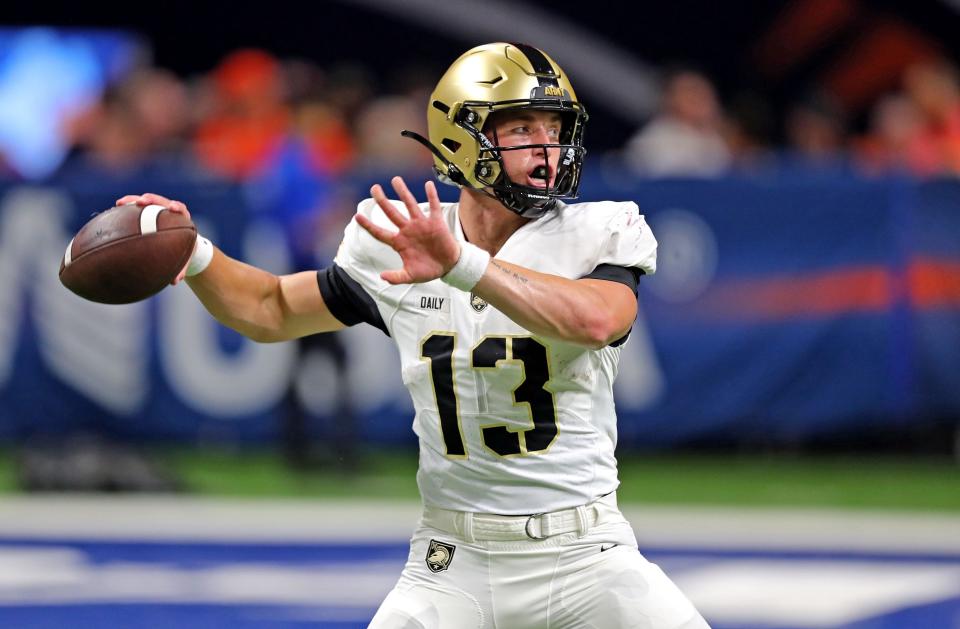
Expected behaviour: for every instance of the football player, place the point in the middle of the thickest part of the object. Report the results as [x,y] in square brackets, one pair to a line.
[509,310]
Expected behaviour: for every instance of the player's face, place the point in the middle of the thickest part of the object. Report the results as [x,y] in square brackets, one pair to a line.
[535,167]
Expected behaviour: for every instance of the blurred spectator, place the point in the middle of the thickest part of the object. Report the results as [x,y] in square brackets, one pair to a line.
[319,121]
[327,138]
[299,187]
[933,87]
[748,129]
[140,122]
[685,137]
[379,123]
[250,117]
[815,129]
[112,136]
[161,103]
[310,207]
[378,134]
[894,142]
[349,88]
[314,212]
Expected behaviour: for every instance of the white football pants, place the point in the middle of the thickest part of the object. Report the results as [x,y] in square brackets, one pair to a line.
[594,580]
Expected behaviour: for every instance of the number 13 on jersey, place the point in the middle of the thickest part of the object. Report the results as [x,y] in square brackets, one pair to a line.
[491,353]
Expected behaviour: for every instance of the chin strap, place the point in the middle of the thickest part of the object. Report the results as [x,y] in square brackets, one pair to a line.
[456,176]
[454,173]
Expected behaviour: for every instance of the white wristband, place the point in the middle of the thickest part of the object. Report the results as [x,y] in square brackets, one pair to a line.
[202,255]
[469,268]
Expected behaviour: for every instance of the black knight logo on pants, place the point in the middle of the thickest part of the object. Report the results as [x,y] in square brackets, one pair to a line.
[439,555]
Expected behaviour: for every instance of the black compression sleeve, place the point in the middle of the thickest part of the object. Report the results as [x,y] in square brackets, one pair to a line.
[347,300]
[625,275]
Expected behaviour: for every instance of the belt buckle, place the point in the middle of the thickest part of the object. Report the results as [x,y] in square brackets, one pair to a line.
[526,527]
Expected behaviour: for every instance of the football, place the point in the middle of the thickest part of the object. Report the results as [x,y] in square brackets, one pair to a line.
[127,253]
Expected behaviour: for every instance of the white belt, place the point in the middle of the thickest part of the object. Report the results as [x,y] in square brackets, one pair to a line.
[504,528]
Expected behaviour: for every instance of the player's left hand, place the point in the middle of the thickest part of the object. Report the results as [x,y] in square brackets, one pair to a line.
[424,241]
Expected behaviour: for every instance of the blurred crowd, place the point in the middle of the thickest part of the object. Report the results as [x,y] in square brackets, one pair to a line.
[914,129]
[254,114]
[250,113]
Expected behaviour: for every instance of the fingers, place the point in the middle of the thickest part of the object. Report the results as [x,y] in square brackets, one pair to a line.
[387,206]
[409,201]
[434,199]
[182,274]
[407,197]
[148,198]
[381,234]
[127,200]
[397,276]
[178,207]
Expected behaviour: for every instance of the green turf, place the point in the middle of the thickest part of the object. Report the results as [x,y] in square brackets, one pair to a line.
[259,473]
[7,480]
[930,484]
[851,481]
[848,482]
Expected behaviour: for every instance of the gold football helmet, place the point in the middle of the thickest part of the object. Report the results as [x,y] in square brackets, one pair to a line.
[491,78]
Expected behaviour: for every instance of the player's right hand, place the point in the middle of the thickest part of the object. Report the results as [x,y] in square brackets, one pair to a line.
[424,241]
[149,198]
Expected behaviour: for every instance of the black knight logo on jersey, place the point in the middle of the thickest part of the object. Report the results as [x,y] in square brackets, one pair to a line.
[477,303]
[439,555]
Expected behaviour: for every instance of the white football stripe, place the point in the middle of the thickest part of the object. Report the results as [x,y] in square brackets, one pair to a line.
[63,575]
[148,218]
[67,257]
[813,593]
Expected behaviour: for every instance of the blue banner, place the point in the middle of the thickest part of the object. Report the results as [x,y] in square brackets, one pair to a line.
[783,309]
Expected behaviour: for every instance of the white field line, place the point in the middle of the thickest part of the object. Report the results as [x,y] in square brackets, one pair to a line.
[169,518]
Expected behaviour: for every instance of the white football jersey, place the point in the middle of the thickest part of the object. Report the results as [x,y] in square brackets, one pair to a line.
[508,422]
